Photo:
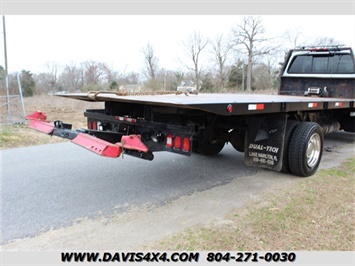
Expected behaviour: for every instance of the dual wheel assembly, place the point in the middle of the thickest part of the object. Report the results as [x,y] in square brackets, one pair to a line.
[303,148]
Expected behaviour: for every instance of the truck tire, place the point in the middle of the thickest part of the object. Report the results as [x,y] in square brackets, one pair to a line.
[305,149]
[237,139]
[209,148]
[348,124]
[290,128]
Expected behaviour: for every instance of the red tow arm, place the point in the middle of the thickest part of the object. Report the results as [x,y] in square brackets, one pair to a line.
[99,146]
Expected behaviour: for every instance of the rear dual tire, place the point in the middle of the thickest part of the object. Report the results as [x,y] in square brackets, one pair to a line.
[290,128]
[209,148]
[305,149]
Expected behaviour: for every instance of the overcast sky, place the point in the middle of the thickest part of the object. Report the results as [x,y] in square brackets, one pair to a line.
[34,40]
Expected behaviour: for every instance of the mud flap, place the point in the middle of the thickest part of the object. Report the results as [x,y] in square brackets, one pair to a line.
[264,143]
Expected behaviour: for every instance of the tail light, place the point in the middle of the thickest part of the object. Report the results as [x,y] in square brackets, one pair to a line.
[94,125]
[169,141]
[177,142]
[186,144]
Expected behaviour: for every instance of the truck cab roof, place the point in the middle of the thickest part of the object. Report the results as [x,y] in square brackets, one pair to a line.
[327,70]
[323,61]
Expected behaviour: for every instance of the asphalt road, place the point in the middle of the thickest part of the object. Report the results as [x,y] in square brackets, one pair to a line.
[50,186]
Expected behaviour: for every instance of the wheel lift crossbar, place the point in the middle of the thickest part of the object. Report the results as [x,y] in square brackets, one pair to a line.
[91,143]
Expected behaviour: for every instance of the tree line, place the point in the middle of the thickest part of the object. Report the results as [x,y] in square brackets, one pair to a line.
[245,60]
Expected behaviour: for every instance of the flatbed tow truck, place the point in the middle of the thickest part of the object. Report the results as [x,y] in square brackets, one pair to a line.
[282,132]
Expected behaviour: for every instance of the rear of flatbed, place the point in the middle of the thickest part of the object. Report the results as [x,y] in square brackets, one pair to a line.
[281,132]
[254,124]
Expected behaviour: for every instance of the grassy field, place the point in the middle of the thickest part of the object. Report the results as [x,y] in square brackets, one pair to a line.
[317,214]
[56,108]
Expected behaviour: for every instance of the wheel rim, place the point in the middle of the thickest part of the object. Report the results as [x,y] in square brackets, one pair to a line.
[313,150]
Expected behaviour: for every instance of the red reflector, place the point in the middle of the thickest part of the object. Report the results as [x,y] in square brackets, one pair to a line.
[186,144]
[230,108]
[177,142]
[169,141]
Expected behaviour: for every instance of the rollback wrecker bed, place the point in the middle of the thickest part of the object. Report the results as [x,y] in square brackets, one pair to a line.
[254,124]
[282,132]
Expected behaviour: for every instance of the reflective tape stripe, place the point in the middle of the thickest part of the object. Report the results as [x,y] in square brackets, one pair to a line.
[126,119]
[312,105]
[259,106]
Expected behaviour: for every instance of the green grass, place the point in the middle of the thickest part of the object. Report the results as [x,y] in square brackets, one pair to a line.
[316,213]
[8,136]
[14,136]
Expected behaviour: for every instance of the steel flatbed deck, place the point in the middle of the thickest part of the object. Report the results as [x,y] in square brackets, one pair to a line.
[223,104]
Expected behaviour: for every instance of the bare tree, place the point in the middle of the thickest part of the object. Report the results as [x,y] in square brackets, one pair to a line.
[131,78]
[124,78]
[171,79]
[151,61]
[179,75]
[294,38]
[326,41]
[71,78]
[194,45]
[249,34]
[221,50]
[52,75]
[96,72]
[265,75]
